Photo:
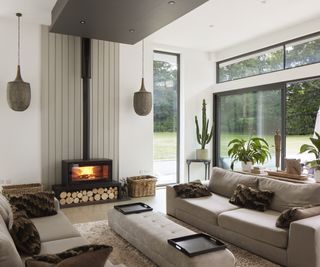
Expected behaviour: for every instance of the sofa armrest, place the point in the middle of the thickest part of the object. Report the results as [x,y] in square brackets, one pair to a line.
[304,243]
[170,195]
[56,204]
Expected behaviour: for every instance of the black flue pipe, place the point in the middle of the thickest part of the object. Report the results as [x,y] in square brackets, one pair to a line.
[86,76]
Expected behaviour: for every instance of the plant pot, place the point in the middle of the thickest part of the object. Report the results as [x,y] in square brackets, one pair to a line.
[317,175]
[202,154]
[246,166]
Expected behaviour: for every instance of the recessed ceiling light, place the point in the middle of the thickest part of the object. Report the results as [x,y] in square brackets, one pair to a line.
[132,30]
[211,26]
[82,21]
[171,2]
[263,1]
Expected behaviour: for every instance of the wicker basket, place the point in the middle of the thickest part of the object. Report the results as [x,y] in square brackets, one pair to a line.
[141,186]
[20,189]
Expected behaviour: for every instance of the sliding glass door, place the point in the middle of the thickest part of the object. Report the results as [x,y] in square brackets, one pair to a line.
[245,114]
[166,117]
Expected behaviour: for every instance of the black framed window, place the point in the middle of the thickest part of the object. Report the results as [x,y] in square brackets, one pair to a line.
[251,65]
[166,126]
[303,52]
[290,107]
[290,54]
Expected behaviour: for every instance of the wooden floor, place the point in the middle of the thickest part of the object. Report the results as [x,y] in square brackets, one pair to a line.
[98,212]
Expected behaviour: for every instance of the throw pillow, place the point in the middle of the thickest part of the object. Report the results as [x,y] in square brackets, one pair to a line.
[294,214]
[35,205]
[24,234]
[5,211]
[251,198]
[192,190]
[90,255]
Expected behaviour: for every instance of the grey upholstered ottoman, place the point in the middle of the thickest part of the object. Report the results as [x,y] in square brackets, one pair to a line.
[149,232]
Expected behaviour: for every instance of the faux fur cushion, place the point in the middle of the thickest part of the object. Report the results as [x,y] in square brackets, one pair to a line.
[24,234]
[294,214]
[192,190]
[251,198]
[84,256]
[35,205]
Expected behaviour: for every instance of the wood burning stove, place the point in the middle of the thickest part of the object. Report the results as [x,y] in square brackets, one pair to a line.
[93,171]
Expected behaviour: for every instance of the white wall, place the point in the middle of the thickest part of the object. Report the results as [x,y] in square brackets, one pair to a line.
[20,139]
[136,133]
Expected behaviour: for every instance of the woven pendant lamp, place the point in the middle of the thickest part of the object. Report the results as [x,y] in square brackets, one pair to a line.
[18,91]
[142,100]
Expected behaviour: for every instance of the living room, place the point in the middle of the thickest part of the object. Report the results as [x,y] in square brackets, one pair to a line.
[204,50]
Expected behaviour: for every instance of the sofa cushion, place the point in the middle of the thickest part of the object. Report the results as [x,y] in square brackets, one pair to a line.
[9,255]
[5,211]
[294,214]
[192,190]
[83,256]
[205,208]
[36,204]
[288,195]
[24,234]
[251,198]
[57,246]
[256,225]
[54,227]
[224,182]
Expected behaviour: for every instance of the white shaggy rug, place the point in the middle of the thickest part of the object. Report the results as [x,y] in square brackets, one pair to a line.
[100,233]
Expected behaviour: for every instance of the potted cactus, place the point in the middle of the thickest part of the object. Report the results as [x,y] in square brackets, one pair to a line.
[205,136]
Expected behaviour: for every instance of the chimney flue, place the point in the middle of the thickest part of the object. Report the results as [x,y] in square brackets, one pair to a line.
[86,76]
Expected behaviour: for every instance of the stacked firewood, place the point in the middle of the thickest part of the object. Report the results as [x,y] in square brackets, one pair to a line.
[95,194]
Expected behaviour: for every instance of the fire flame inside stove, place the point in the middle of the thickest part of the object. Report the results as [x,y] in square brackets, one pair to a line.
[88,172]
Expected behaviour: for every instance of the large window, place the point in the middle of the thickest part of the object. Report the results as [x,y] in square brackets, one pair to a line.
[258,63]
[245,114]
[291,54]
[290,107]
[166,117]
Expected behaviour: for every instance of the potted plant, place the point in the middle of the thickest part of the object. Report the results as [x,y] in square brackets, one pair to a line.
[205,136]
[313,149]
[255,150]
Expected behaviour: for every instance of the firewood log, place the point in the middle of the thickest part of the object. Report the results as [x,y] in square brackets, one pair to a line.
[100,191]
[79,195]
[62,201]
[104,196]
[85,198]
[111,196]
[63,194]
[89,193]
[74,194]
[95,190]
[97,197]
[76,200]
[69,200]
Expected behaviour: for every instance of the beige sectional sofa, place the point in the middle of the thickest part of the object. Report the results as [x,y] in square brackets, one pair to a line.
[56,233]
[253,230]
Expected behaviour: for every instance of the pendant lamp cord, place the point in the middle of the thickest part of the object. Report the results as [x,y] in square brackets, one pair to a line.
[18,15]
[142,58]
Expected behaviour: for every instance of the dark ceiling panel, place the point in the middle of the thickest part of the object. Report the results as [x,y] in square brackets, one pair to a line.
[112,20]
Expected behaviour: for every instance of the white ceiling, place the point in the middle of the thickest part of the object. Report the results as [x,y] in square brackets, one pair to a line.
[232,21]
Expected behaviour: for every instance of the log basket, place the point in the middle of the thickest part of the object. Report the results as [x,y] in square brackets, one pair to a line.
[142,186]
[20,189]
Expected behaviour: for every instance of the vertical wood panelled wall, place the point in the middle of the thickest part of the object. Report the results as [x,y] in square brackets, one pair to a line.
[61,103]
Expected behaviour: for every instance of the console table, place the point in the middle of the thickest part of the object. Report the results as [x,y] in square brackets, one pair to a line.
[206,163]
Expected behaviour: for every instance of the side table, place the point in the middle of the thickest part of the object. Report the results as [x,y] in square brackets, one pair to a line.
[206,163]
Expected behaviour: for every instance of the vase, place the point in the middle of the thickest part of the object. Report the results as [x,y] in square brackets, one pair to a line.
[246,166]
[202,154]
[317,175]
